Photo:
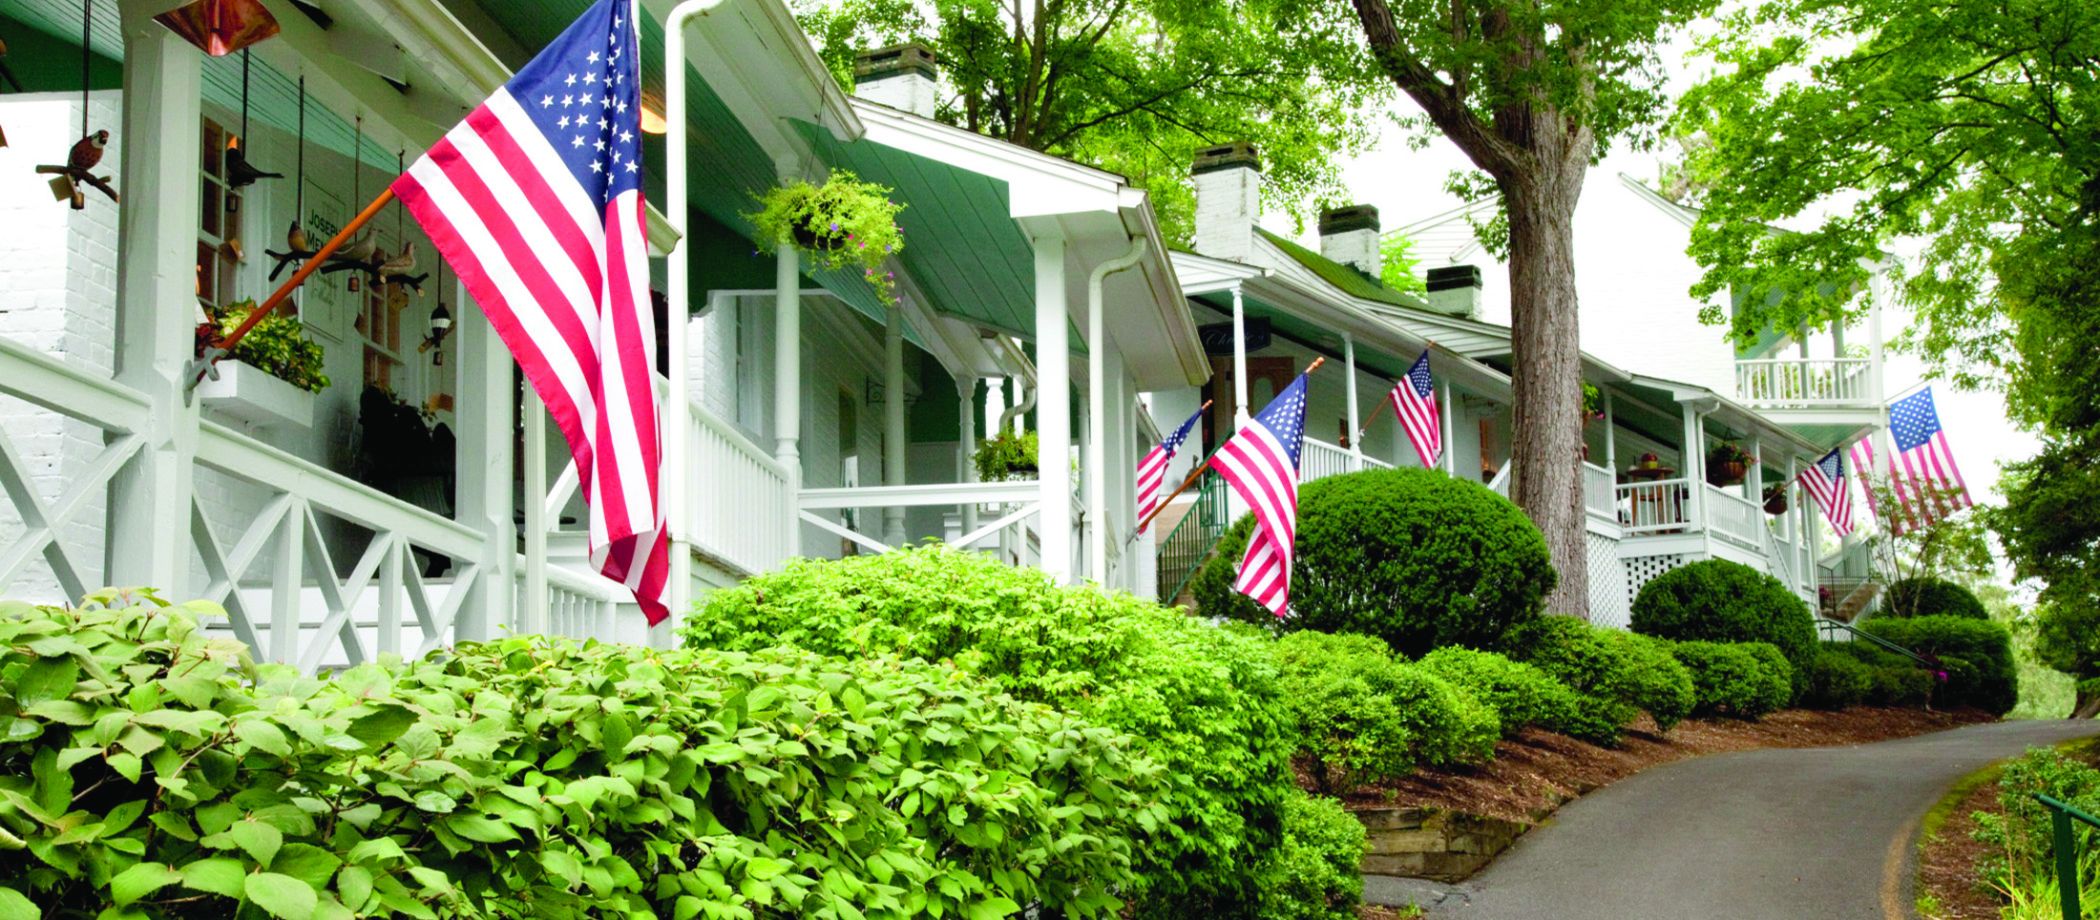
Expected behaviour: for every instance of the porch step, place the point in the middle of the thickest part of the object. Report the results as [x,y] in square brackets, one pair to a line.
[1857,597]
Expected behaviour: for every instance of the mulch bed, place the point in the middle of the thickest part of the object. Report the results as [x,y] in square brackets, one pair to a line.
[1950,860]
[1535,772]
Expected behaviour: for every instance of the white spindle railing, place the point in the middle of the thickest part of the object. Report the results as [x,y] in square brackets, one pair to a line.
[1500,484]
[1733,518]
[740,502]
[586,606]
[1655,507]
[1318,460]
[1599,494]
[1804,382]
[1012,506]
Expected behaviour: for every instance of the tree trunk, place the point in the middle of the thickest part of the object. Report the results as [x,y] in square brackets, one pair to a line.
[1547,376]
[2087,706]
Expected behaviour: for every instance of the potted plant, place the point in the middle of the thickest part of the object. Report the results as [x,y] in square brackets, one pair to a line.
[1776,499]
[1592,403]
[1648,461]
[1007,457]
[1727,464]
[272,373]
[844,223]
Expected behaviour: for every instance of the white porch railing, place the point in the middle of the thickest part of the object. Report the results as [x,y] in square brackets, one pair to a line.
[120,413]
[1500,484]
[741,499]
[1804,382]
[1733,518]
[1655,507]
[1599,493]
[1014,504]
[1318,459]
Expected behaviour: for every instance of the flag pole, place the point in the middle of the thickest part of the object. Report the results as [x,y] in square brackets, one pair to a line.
[202,365]
[1428,345]
[1197,473]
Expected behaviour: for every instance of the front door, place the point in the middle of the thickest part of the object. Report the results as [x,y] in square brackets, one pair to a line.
[1266,377]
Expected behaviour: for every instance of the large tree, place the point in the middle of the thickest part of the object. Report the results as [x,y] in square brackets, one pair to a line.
[1534,93]
[1132,86]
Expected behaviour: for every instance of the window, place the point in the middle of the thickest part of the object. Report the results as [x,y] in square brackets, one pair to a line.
[379,321]
[219,220]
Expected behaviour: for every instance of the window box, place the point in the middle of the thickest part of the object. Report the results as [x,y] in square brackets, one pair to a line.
[252,395]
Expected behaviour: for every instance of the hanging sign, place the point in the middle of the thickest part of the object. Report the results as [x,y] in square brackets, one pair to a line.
[1217,337]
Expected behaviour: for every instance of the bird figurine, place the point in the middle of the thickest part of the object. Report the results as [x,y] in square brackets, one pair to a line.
[85,155]
[240,173]
[399,266]
[357,253]
[7,73]
[297,249]
[87,151]
[295,239]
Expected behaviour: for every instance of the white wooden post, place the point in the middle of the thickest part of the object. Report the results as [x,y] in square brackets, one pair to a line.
[150,498]
[1240,416]
[1694,469]
[1356,447]
[1444,415]
[1053,404]
[483,466]
[1754,475]
[1611,438]
[966,443]
[893,454]
[787,379]
[532,608]
[994,405]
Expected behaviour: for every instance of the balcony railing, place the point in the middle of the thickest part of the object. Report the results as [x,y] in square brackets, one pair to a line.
[1319,460]
[1734,518]
[1785,383]
[1655,507]
[1599,494]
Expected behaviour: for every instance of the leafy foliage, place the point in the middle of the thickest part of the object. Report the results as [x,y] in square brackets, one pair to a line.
[1201,701]
[1364,717]
[1317,872]
[1927,596]
[843,224]
[1976,654]
[1521,695]
[2019,835]
[1653,680]
[1412,556]
[1724,601]
[277,346]
[1614,673]
[1397,264]
[156,771]
[1834,679]
[1728,679]
[1006,456]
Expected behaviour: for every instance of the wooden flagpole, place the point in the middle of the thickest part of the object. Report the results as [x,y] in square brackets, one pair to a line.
[1427,345]
[1197,473]
[203,363]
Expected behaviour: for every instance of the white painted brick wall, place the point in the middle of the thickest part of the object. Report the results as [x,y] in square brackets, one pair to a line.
[1228,202]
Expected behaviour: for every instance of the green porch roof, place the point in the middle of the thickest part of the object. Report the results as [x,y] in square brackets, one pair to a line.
[1290,326]
[1345,278]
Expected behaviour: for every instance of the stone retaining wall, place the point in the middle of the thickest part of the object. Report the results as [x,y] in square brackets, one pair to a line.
[1433,843]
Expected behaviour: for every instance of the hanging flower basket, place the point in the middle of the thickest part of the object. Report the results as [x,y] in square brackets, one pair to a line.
[844,223]
[1727,464]
[1776,500]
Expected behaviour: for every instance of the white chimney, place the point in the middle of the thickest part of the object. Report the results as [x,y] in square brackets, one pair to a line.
[1228,200]
[901,76]
[1455,290]
[1350,236]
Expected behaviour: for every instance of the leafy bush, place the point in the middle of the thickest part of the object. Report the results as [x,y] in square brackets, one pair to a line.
[1521,695]
[1414,557]
[1894,680]
[1720,601]
[1727,679]
[1364,718]
[1834,679]
[1926,596]
[2021,832]
[1989,681]
[1613,673]
[1202,701]
[1653,680]
[1317,872]
[277,345]
[156,770]
[1778,673]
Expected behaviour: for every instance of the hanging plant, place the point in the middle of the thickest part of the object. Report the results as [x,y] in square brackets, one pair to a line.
[843,224]
[1592,402]
[277,346]
[1007,457]
[1775,499]
[1727,463]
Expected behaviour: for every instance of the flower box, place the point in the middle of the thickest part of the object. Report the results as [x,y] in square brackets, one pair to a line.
[251,395]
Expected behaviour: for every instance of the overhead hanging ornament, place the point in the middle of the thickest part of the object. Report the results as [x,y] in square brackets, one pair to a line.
[361,253]
[86,152]
[239,172]
[220,27]
[298,248]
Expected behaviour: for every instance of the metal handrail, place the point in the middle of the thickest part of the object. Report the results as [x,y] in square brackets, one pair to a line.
[2061,814]
[1184,550]
[1829,625]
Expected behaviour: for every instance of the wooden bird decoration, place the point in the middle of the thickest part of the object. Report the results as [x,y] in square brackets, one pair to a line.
[86,153]
[399,266]
[240,173]
[7,73]
[297,249]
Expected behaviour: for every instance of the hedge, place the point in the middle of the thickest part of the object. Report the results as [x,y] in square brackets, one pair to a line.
[1615,675]
[1364,718]
[1202,701]
[1926,596]
[1976,654]
[1720,601]
[1317,872]
[1893,680]
[1521,695]
[1729,680]
[1653,680]
[153,772]
[1834,679]
[1412,556]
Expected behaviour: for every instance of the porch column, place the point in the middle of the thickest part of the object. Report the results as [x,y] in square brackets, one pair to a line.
[1790,530]
[893,421]
[483,481]
[994,405]
[1053,403]
[1240,416]
[150,498]
[1611,439]
[1356,448]
[966,443]
[1694,470]
[1877,285]
[1444,414]
[1753,479]
[787,379]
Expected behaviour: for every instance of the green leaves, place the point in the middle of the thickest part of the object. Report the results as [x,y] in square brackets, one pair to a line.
[282,896]
[141,880]
[14,906]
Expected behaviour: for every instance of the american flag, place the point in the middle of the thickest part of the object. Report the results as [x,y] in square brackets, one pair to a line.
[1863,463]
[1152,470]
[1261,465]
[1414,399]
[536,200]
[1825,482]
[1928,485]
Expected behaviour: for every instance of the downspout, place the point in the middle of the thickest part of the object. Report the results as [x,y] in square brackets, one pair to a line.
[1020,359]
[1097,411]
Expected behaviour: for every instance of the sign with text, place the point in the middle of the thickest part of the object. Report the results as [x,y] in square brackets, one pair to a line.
[1217,337]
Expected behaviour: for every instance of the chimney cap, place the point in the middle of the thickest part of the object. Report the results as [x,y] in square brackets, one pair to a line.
[1452,277]
[1235,155]
[895,61]
[1347,218]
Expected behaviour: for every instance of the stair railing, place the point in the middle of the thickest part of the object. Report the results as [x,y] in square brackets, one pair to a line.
[2061,814]
[1188,545]
[1830,627]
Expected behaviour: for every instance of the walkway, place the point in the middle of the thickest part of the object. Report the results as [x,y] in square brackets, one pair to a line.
[1761,835]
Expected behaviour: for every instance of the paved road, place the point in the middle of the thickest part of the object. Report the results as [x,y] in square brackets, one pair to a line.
[1762,835]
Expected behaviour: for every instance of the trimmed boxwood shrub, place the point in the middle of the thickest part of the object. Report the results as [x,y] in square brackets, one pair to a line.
[1522,695]
[1317,873]
[1615,673]
[1976,654]
[1202,701]
[1654,681]
[1926,596]
[150,771]
[1363,717]
[1728,679]
[1720,601]
[1834,679]
[1894,680]
[1412,556]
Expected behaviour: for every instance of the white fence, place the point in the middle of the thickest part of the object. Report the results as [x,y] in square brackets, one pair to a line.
[1735,519]
[1318,460]
[1655,507]
[1804,382]
[1600,495]
[741,501]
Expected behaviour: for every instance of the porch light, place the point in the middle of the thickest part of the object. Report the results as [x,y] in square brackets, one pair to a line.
[653,120]
[440,327]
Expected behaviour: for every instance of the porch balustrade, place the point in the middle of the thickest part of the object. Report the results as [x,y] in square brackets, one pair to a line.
[1318,460]
[1655,507]
[1599,495]
[1736,519]
[1768,383]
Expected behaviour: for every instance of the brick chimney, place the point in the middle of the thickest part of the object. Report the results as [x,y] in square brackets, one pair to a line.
[1349,235]
[901,76]
[1228,200]
[1455,290]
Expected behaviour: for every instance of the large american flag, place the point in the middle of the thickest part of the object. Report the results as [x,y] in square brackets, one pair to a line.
[1863,464]
[1927,483]
[1825,481]
[1414,400]
[1261,465]
[1152,470]
[536,201]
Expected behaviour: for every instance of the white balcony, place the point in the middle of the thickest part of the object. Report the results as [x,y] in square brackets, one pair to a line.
[1805,383]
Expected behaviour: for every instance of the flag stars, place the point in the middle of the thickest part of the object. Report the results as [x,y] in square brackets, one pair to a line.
[597,166]
[601,144]
[591,57]
[578,142]
[590,77]
[567,101]
[630,166]
[546,101]
[570,80]
[562,122]
[626,137]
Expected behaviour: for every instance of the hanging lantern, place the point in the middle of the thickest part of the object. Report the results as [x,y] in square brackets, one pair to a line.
[220,27]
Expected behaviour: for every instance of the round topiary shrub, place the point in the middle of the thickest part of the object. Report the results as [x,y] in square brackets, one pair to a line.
[1721,601]
[1834,680]
[1729,680]
[1363,717]
[1414,557]
[1616,674]
[1926,596]
[1777,690]
[1522,695]
[1652,679]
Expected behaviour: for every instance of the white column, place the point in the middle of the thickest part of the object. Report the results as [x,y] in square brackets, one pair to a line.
[1611,438]
[893,421]
[1356,438]
[787,378]
[1694,469]
[1053,404]
[532,608]
[994,405]
[484,465]
[1754,477]
[1445,414]
[1877,286]
[150,498]
[966,443]
[1791,532]
[1240,415]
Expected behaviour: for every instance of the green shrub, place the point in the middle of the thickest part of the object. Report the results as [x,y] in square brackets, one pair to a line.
[1613,672]
[1777,691]
[1834,679]
[154,768]
[1894,680]
[2019,836]
[1521,695]
[1317,872]
[1363,717]
[1728,680]
[1202,701]
[1414,557]
[1989,681]
[1926,596]
[1653,679]
[1720,601]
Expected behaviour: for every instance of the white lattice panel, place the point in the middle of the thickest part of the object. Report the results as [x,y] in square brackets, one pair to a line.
[1608,598]
[1642,569]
